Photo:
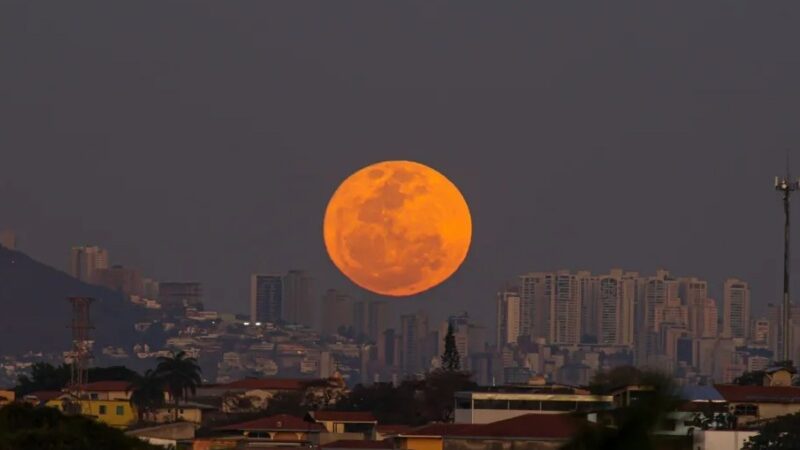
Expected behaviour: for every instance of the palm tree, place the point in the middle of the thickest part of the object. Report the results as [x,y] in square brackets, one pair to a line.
[147,392]
[181,376]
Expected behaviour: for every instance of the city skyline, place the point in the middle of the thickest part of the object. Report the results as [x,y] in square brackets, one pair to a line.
[663,160]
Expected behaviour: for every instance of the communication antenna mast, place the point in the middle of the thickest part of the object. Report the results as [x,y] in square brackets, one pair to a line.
[81,344]
[786,185]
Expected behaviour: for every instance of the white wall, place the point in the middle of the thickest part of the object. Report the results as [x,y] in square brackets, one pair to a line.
[721,439]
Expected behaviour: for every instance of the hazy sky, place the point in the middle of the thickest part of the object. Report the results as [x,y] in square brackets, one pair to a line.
[201,140]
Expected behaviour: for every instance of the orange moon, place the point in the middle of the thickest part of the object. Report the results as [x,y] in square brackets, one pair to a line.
[397,228]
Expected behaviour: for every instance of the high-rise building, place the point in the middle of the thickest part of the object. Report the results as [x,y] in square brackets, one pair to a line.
[589,306]
[414,332]
[150,288]
[8,239]
[121,279]
[297,298]
[565,308]
[759,331]
[508,317]
[709,320]
[85,260]
[615,294]
[360,317]
[378,314]
[337,308]
[175,296]
[550,306]
[736,309]
[266,297]
[694,293]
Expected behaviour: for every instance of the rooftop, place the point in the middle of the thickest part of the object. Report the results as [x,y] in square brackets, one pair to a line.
[279,422]
[278,384]
[528,426]
[759,394]
[107,386]
[346,443]
[342,416]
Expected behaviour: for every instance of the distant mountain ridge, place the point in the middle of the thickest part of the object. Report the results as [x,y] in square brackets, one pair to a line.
[35,313]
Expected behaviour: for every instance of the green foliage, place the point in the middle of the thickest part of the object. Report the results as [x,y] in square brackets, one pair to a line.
[46,377]
[783,433]
[413,402]
[451,360]
[147,392]
[23,427]
[633,426]
[754,378]
[180,375]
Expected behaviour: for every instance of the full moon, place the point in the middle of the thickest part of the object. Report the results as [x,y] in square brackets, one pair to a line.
[397,228]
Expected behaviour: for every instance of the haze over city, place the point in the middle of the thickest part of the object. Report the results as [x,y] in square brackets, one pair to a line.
[409,225]
[205,147]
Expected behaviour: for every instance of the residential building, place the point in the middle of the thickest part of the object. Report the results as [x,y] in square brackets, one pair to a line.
[488,405]
[85,260]
[736,309]
[508,317]
[176,296]
[266,298]
[120,279]
[414,331]
[337,309]
[615,294]
[298,298]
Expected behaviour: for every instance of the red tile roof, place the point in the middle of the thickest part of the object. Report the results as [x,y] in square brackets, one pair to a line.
[358,444]
[273,423]
[759,394]
[270,384]
[343,416]
[528,426]
[393,429]
[107,386]
[44,396]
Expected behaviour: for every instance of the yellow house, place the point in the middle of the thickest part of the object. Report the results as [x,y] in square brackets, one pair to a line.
[106,401]
[116,413]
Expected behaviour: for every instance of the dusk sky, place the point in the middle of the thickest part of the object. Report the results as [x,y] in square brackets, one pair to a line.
[201,141]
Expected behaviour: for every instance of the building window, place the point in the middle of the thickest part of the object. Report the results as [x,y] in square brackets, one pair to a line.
[556,405]
[525,405]
[120,410]
[102,410]
[463,403]
[93,396]
[491,404]
[746,410]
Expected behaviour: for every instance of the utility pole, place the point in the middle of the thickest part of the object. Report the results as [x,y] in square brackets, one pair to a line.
[786,185]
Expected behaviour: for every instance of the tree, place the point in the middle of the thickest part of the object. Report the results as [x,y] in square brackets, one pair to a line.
[23,427]
[451,360]
[438,393]
[782,433]
[181,376]
[44,377]
[633,426]
[147,392]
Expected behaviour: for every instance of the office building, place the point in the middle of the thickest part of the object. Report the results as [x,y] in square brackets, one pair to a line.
[85,261]
[736,309]
[177,296]
[378,317]
[266,298]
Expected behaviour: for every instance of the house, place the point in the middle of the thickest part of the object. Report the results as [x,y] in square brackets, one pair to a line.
[107,390]
[117,413]
[361,423]
[357,445]
[389,430]
[752,404]
[721,439]
[39,398]
[529,431]
[191,412]
[778,376]
[277,428]
[251,394]
[490,404]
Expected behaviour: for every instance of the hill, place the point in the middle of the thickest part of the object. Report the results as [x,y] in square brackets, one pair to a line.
[35,313]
